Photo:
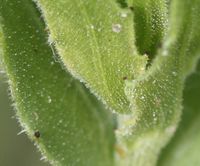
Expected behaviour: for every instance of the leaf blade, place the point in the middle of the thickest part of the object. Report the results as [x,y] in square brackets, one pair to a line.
[49,101]
[150,24]
[156,96]
[183,148]
[103,51]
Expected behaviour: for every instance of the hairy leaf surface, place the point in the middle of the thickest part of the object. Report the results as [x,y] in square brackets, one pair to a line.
[150,23]
[96,42]
[70,126]
[183,149]
[99,43]
[156,96]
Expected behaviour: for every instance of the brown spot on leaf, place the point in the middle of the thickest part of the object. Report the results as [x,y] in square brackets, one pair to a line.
[125,78]
[37,134]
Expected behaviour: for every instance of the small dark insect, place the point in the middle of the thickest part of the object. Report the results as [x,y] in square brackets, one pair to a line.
[131,8]
[125,78]
[37,134]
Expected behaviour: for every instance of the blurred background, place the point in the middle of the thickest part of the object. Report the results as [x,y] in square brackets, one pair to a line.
[15,150]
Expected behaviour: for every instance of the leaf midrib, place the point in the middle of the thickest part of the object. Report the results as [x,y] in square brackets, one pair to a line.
[94,41]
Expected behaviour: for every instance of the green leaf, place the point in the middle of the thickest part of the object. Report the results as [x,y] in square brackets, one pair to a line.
[96,42]
[67,123]
[150,23]
[156,96]
[184,147]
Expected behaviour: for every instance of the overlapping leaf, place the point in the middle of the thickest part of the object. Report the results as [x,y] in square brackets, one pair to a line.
[70,126]
[150,24]
[156,96]
[96,42]
[184,147]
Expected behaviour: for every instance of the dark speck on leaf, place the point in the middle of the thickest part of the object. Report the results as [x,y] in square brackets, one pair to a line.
[131,8]
[37,134]
[125,78]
